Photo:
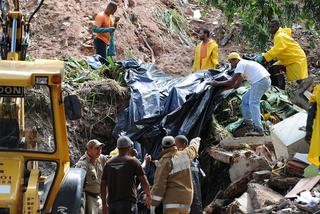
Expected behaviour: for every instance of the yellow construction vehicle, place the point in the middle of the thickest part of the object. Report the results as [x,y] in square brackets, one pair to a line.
[35,173]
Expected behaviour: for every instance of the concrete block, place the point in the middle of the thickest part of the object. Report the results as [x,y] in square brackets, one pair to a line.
[242,204]
[262,196]
[261,175]
[288,137]
[244,164]
[242,142]
[223,156]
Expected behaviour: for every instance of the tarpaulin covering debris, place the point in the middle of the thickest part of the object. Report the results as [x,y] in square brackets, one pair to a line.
[162,105]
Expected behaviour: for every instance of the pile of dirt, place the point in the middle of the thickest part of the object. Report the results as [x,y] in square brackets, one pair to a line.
[63,28]
[101,101]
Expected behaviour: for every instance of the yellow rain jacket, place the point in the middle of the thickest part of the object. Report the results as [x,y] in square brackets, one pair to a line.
[290,54]
[314,152]
[210,61]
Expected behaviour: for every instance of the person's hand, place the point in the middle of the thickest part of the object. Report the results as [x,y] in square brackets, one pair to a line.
[208,210]
[198,138]
[260,59]
[214,83]
[147,158]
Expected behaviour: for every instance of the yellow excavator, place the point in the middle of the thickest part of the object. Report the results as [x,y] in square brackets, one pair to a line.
[35,173]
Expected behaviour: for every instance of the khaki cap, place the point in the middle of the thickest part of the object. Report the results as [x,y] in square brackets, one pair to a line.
[94,143]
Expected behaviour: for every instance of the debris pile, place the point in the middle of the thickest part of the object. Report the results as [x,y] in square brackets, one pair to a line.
[262,180]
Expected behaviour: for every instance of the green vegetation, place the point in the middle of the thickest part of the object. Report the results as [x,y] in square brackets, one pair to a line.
[255,16]
[80,71]
[176,23]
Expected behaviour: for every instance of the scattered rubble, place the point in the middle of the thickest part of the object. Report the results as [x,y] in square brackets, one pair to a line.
[260,181]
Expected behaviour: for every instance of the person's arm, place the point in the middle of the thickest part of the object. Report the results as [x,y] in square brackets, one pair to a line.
[193,148]
[279,46]
[96,29]
[146,188]
[234,82]
[103,189]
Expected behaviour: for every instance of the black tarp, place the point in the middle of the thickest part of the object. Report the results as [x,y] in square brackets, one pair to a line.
[164,105]
[161,104]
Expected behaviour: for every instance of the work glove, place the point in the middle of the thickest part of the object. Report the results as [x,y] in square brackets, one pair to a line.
[260,59]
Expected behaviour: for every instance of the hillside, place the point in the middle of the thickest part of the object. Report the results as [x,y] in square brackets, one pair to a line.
[146,28]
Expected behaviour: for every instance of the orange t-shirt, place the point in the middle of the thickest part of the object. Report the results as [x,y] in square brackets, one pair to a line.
[203,52]
[103,20]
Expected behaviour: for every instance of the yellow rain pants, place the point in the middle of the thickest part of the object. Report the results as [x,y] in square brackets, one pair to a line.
[314,152]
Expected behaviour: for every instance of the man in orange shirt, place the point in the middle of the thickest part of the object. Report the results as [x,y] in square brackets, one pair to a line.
[206,54]
[104,28]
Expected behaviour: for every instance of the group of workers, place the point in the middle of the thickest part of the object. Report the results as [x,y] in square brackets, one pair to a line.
[111,187]
[111,183]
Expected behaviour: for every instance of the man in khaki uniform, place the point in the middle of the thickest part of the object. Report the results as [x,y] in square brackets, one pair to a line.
[172,180]
[93,162]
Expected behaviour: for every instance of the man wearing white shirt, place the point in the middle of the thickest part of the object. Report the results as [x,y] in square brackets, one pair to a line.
[259,79]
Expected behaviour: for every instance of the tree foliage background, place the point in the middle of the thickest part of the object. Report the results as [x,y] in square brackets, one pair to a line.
[255,15]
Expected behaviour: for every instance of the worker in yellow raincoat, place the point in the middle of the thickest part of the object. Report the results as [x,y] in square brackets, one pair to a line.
[313,127]
[206,55]
[287,51]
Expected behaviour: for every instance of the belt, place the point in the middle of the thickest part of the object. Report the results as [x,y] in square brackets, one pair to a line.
[176,206]
[95,195]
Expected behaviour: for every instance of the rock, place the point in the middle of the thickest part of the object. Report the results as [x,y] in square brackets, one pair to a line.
[261,175]
[241,205]
[264,152]
[282,183]
[223,156]
[242,142]
[262,196]
[131,3]
[246,163]
[238,187]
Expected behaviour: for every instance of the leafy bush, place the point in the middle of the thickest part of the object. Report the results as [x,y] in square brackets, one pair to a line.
[255,15]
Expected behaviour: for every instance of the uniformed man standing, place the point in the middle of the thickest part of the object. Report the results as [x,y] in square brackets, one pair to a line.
[93,162]
[172,180]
